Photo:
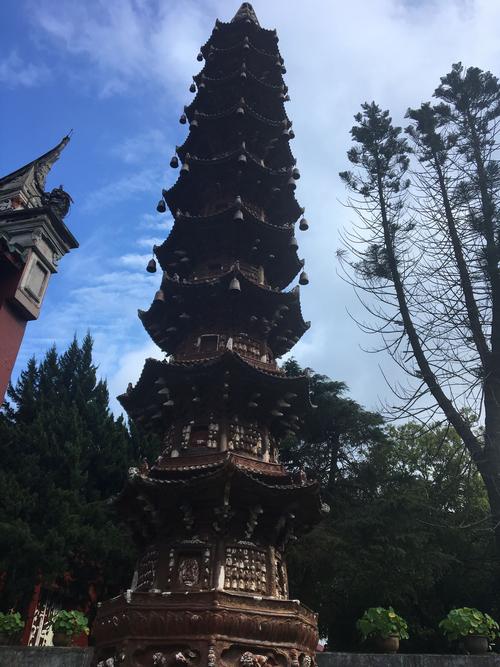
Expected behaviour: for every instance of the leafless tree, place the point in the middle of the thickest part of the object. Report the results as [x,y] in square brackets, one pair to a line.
[424,256]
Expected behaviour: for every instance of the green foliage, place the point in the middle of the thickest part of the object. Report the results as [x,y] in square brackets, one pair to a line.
[71,623]
[11,623]
[408,525]
[468,621]
[380,622]
[64,455]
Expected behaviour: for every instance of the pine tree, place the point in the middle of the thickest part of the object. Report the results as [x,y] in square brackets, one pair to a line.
[64,455]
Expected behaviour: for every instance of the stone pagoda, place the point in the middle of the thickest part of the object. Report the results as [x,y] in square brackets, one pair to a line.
[213,515]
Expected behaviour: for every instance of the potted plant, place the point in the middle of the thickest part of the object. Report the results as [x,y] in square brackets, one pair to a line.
[68,624]
[473,627]
[384,628]
[11,626]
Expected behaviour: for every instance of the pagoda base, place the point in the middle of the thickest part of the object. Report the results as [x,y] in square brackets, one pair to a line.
[204,629]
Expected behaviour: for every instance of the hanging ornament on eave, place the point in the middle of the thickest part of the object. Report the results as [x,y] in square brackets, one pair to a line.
[304,278]
[234,285]
[303,225]
[161,207]
[151,266]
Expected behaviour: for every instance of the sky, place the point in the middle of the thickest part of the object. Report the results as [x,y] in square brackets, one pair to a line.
[117,72]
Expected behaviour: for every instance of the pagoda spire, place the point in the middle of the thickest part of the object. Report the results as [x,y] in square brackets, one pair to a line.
[245,12]
[212,516]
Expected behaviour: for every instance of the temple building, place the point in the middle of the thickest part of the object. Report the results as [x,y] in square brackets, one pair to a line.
[33,238]
[213,515]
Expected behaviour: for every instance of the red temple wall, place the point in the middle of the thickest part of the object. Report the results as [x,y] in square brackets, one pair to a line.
[12,328]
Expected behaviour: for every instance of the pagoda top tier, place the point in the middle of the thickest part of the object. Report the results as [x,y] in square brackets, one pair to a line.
[246,13]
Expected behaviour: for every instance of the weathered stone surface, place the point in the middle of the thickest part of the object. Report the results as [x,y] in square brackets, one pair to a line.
[401,660]
[45,656]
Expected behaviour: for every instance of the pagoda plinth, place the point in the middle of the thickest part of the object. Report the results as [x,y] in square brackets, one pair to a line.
[213,515]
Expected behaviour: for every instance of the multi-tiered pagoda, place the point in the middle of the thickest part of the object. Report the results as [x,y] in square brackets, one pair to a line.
[213,515]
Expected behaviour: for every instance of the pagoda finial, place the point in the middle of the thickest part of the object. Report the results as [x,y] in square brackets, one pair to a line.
[245,12]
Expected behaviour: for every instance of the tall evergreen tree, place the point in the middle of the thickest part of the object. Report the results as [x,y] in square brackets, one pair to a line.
[430,261]
[63,456]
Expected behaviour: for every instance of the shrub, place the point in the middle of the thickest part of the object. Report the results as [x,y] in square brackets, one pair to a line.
[468,621]
[10,624]
[70,623]
[381,622]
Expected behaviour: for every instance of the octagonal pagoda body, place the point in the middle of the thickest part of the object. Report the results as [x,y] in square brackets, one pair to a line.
[213,515]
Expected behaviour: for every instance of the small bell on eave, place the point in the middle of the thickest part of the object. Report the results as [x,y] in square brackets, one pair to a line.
[303,225]
[151,266]
[199,57]
[242,158]
[193,124]
[238,215]
[296,173]
[192,88]
[293,243]
[303,279]
[291,134]
[183,119]
[174,162]
[291,183]
[240,111]
[185,168]
[234,285]
[161,207]
[246,42]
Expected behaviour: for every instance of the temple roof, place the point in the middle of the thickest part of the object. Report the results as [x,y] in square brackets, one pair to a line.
[202,237]
[30,179]
[244,13]
[226,379]
[273,311]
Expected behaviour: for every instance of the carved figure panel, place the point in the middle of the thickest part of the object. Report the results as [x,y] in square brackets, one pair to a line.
[146,569]
[246,570]
[281,577]
[245,437]
[188,571]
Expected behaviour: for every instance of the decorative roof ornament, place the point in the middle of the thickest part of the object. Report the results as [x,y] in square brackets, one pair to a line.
[246,12]
[25,187]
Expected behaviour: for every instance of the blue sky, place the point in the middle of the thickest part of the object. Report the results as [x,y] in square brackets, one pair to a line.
[118,72]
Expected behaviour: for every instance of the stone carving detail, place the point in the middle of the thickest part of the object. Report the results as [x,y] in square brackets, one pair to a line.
[185,436]
[189,571]
[213,430]
[255,513]
[211,656]
[281,578]
[146,569]
[249,659]
[159,658]
[246,570]
[245,437]
[58,200]
[306,661]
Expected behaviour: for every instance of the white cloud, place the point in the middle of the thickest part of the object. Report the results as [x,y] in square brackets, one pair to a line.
[135,261]
[130,43]
[144,146]
[338,54]
[14,71]
[145,181]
